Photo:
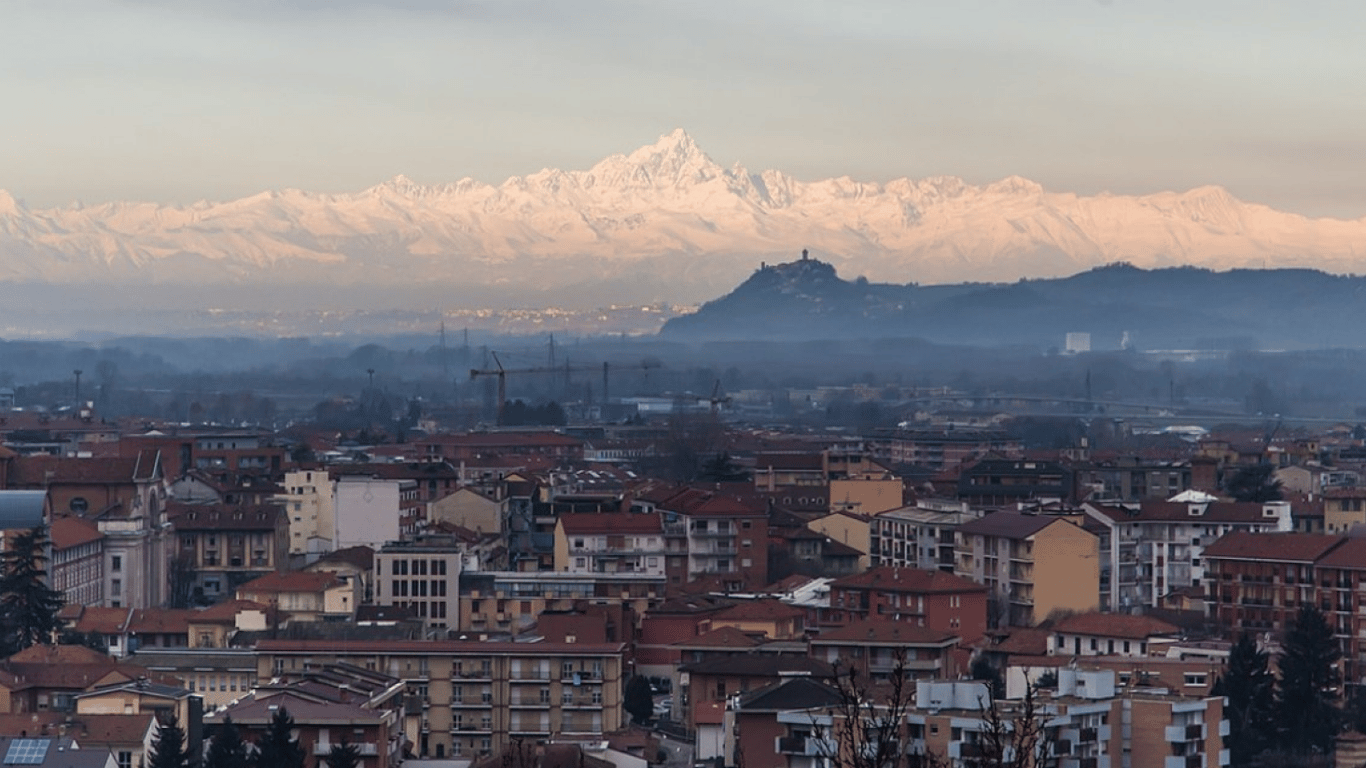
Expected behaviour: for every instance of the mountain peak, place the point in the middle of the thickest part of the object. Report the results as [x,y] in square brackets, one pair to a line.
[8,205]
[399,185]
[674,160]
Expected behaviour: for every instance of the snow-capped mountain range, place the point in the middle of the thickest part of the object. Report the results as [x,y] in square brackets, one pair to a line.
[664,222]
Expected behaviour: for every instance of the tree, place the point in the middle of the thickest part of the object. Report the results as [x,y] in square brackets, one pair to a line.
[638,701]
[1248,683]
[722,468]
[168,746]
[343,754]
[277,747]
[28,608]
[1021,741]
[983,670]
[1254,483]
[227,749]
[1307,695]
[868,722]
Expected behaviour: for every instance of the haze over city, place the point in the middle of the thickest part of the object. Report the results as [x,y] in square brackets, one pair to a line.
[175,102]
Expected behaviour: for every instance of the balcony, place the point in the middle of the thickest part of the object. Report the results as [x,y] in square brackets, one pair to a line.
[1188,761]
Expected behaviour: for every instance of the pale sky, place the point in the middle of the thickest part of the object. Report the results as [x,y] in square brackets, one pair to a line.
[180,100]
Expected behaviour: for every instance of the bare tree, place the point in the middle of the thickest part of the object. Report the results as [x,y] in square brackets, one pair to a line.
[1019,739]
[868,727]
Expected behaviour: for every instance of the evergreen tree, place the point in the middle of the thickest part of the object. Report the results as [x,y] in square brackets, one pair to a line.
[1256,483]
[1250,687]
[343,754]
[1307,696]
[227,749]
[278,748]
[638,701]
[28,608]
[168,748]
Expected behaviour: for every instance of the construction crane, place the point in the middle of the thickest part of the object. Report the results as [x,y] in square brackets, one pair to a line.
[716,400]
[566,369]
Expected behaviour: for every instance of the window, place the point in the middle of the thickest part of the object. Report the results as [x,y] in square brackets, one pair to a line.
[116,563]
[125,759]
[79,505]
[116,588]
[1195,678]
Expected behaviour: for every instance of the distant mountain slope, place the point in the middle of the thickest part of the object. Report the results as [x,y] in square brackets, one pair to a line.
[663,222]
[1179,307]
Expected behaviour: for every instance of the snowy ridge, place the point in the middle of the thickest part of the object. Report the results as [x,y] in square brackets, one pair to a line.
[672,207]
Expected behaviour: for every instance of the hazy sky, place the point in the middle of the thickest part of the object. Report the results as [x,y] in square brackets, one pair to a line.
[177,100]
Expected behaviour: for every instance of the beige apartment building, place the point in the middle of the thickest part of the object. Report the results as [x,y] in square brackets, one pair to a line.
[476,697]
[1032,565]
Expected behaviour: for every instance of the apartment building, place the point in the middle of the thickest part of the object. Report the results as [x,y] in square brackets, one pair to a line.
[220,547]
[930,599]
[1153,549]
[475,697]
[423,576]
[507,601]
[312,517]
[77,560]
[918,537]
[619,542]
[1031,565]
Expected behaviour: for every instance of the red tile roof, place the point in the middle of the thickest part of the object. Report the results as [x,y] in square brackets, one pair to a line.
[70,531]
[296,581]
[766,609]
[1114,625]
[1351,554]
[722,637]
[1277,547]
[610,523]
[879,631]
[893,579]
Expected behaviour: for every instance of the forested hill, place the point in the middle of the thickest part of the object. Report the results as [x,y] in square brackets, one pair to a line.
[1173,308]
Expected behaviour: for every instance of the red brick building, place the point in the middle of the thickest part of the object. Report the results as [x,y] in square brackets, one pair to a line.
[930,599]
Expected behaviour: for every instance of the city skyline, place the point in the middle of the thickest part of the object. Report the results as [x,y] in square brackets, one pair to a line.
[176,102]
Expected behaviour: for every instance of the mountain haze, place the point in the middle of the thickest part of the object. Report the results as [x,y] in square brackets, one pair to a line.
[664,222]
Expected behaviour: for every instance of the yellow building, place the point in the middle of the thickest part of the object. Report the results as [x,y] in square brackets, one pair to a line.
[866,495]
[1034,566]
[476,697]
[308,501]
[470,509]
[848,528]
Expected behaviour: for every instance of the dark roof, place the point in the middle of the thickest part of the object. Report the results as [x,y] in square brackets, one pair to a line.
[760,666]
[722,637]
[1010,525]
[792,693]
[224,517]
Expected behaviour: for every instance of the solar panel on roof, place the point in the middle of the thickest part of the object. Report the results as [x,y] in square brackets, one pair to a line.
[26,752]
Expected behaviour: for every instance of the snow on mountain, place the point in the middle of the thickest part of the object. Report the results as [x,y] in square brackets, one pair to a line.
[666,210]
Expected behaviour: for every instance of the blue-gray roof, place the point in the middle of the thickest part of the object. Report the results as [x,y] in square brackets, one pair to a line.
[21,510]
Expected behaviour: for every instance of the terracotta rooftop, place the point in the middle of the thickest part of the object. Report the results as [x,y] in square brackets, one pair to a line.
[891,578]
[1277,547]
[1351,554]
[1114,625]
[296,581]
[610,523]
[70,531]
[766,609]
[882,632]
[722,637]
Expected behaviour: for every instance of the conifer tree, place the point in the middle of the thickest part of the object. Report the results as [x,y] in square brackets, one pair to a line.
[28,607]
[168,748]
[227,749]
[343,754]
[1306,699]
[277,747]
[1250,687]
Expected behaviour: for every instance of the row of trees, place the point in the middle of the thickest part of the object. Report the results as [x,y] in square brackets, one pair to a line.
[276,748]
